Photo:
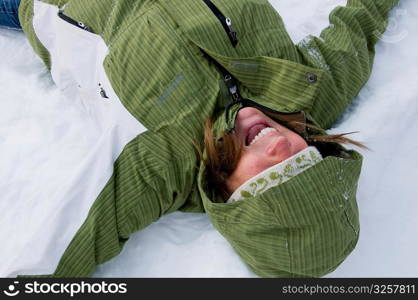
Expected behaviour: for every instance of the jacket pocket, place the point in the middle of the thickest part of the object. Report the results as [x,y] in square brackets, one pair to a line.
[225,21]
[80,25]
[78,58]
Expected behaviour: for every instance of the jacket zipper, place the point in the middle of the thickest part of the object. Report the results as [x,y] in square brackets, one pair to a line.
[226,22]
[74,22]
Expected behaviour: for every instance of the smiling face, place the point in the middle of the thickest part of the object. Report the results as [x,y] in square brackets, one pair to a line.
[265,143]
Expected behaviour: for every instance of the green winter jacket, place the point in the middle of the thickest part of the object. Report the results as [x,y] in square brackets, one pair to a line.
[155,65]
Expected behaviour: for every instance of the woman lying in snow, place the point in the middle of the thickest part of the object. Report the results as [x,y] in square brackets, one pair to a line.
[151,72]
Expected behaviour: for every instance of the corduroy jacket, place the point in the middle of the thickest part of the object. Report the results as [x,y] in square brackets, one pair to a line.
[159,59]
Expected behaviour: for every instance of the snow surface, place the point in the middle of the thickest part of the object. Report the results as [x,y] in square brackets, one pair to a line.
[42,134]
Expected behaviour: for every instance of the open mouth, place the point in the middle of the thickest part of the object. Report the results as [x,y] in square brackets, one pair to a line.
[256,132]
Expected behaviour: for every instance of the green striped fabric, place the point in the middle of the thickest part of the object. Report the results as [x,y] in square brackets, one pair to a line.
[304,227]
[307,226]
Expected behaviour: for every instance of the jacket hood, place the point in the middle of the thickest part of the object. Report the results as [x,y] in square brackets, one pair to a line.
[304,227]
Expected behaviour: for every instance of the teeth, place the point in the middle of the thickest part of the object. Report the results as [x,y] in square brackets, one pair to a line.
[262,133]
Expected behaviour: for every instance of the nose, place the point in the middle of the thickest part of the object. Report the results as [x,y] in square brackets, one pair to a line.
[247,112]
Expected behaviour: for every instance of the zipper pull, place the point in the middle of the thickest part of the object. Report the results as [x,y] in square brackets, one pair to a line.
[232,87]
[83,26]
[231,32]
[102,91]
[73,22]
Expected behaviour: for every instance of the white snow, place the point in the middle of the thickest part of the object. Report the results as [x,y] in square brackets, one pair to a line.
[42,135]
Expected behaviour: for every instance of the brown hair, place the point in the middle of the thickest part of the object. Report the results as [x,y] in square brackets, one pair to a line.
[223,154]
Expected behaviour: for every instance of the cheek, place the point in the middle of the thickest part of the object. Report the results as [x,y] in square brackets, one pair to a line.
[252,163]
[247,167]
[297,143]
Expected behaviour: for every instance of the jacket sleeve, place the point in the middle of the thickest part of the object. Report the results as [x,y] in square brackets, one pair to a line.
[140,190]
[345,50]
